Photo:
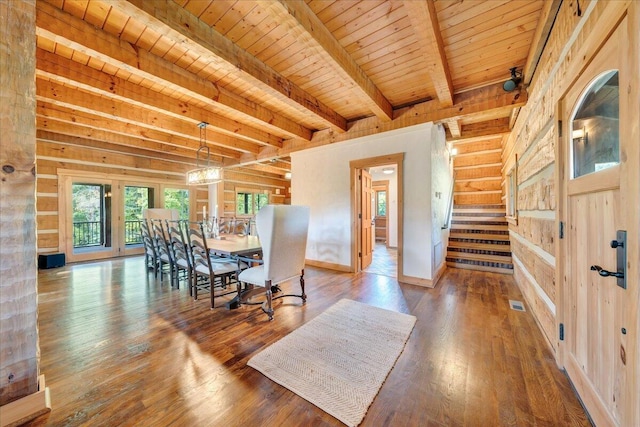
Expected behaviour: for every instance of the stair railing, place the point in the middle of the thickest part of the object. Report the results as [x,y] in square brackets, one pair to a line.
[447,218]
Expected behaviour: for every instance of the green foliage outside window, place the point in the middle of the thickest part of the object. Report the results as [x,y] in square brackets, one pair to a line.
[177,198]
[381,203]
[250,203]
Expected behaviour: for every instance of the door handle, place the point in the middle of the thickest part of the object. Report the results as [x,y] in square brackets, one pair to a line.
[606,273]
[620,245]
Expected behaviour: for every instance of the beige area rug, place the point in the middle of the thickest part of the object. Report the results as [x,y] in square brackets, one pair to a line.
[339,360]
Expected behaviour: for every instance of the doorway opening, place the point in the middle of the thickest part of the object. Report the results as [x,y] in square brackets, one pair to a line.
[378,194]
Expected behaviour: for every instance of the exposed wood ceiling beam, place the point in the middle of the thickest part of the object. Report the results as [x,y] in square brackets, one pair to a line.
[424,21]
[266,167]
[65,121]
[72,74]
[58,94]
[482,130]
[453,126]
[76,34]
[300,20]
[489,98]
[167,17]
[114,148]
[543,29]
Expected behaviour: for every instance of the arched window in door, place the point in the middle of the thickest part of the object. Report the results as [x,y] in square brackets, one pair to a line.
[595,127]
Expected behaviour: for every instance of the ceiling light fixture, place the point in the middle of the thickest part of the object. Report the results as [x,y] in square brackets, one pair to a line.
[387,171]
[514,81]
[208,174]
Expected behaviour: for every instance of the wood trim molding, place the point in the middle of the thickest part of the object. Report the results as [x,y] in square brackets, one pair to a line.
[328,265]
[27,408]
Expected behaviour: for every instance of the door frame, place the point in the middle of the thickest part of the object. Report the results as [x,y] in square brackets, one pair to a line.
[629,188]
[396,159]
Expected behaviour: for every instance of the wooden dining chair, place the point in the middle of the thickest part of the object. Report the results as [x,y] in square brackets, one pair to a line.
[179,246]
[165,256]
[150,255]
[283,235]
[218,276]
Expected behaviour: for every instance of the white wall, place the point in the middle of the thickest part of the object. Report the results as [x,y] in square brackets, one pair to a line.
[321,180]
[392,205]
[441,182]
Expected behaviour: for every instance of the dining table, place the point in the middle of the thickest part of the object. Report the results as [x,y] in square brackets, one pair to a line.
[246,248]
[234,245]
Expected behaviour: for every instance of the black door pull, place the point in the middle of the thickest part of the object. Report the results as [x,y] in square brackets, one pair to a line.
[607,273]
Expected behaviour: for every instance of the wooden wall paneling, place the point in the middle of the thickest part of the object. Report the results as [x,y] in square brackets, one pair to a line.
[465,147]
[478,199]
[47,222]
[538,195]
[477,172]
[477,185]
[538,268]
[539,231]
[47,204]
[543,315]
[494,157]
[46,185]
[538,157]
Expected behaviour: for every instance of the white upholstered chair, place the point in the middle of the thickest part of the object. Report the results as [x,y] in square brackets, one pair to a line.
[283,235]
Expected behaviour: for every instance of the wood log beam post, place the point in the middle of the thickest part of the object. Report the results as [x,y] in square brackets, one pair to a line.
[23,395]
[69,31]
[422,14]
[454,127]
[167,17]
[490,98]
[300,20]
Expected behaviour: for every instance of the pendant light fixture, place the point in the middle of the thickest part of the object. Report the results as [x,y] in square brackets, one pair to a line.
[206,174]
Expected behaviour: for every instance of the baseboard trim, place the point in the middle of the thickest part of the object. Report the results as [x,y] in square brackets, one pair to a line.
[439,272]
[426,283]
[27,408]
[329,265]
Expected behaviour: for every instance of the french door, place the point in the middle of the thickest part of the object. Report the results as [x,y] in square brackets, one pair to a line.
[100,214]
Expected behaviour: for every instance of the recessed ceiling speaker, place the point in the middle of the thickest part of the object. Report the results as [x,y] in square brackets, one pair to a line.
[514,81]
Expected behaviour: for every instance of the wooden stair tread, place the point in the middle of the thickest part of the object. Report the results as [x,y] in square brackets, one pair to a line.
[479,210]
[502,207]
[469,233]
[480,268]
[480,246]
[499,227]
[500,219]
[480,257]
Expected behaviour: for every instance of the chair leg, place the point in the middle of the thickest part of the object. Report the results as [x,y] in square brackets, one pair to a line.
[304,296]
[269,308]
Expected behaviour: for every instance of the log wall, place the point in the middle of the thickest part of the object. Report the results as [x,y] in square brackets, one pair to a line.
[533,143]
[19,353]
[477,169]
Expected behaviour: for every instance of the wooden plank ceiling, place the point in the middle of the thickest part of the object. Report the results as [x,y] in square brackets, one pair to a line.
[272,77]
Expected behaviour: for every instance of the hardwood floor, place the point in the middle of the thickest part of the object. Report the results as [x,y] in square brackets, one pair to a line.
[385,261]
[120,348]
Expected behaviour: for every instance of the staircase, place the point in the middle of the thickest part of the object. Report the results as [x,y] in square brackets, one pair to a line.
[479,234]
[479,239]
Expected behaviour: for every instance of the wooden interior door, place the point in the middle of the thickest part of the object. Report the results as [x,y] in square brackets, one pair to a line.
[593,307]
[366,190]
